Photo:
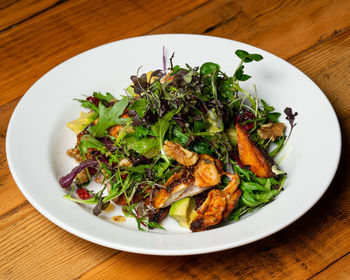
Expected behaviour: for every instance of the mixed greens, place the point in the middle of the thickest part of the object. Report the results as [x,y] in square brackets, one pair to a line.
[121,143]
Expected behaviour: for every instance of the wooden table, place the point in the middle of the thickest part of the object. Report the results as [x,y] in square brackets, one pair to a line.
[36,35]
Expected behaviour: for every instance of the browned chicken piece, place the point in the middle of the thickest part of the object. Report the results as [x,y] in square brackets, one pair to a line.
[206,172]
[271,130]
[218,205]
[139,195]
[158,215]
[188,182]
[180,154]
[250,154]
[231,193]
[210,212]
[173,188]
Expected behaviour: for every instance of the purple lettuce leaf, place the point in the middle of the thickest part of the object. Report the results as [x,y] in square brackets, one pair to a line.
[68,179]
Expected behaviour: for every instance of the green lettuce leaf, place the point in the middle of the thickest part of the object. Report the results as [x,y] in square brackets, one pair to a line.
[109,117]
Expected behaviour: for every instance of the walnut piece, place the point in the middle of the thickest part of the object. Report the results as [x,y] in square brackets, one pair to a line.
[81,178]
[271,130]
[180,154]
[74,153]
[125,162]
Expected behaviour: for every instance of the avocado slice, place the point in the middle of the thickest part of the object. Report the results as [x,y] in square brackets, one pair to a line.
[83,121]
[183,211]
[232,134]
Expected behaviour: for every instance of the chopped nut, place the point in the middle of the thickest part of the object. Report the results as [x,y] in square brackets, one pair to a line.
[181,155]
[82,178]
[74,153]
[271,130]
[125,162]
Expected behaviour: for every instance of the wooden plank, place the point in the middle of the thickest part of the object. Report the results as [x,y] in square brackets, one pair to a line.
[29,50]
[15,11]
[10,195]
[301,250]
[78,30]
[281,27]
[328,65]
[34,248]
[338,270]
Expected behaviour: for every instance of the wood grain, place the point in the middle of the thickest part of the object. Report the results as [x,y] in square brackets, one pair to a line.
[29,50]
[337,270]
[312,35]
[35,248]
[281,27]
[14,12]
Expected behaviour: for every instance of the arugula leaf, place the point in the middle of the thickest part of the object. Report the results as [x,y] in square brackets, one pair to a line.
[108,97]
[201,147]
[109,117]
[87,141]
[140,132]
[160,128]
[147,147]
[274,116]
[87,104]
[138,169]
[140,107]
[251,186]
[266,106]
[279,142]
[179,137]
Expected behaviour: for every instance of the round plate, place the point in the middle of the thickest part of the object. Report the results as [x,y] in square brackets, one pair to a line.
[37,139]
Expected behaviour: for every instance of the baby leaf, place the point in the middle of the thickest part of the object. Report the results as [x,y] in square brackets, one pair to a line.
[109,117]
[140,106]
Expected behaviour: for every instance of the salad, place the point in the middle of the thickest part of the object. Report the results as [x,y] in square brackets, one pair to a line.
[188,142]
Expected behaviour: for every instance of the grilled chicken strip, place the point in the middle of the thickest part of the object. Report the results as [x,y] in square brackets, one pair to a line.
[188,182]
[217,206]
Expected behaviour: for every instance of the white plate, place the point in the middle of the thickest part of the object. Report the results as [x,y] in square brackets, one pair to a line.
[37,139]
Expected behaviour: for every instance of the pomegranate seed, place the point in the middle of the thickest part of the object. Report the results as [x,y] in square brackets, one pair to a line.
[83,194]
[93,100]
[243,116]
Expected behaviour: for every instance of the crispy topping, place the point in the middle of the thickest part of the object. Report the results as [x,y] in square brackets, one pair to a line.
[180,154]
[271,130]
